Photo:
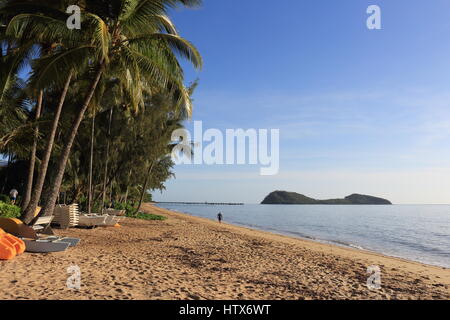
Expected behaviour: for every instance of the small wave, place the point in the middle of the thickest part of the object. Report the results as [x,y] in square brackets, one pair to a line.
[345,244]
[356,246]
[308,237]
[398,241]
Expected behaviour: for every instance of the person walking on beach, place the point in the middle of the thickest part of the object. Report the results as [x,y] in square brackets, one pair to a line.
[220,217]
[13,195]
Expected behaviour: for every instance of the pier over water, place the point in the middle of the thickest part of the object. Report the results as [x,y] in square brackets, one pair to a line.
[205,203]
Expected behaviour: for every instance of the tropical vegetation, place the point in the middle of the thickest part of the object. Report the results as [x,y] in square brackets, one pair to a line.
[9,210]
[86,115]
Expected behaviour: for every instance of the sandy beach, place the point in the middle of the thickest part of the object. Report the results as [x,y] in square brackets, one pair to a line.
[187,257]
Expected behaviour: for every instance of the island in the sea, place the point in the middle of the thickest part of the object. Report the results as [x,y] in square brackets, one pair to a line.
[284,197]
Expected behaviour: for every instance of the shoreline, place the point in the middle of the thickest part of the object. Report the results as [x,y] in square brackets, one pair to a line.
[305,238]
[314,242]
[191,258]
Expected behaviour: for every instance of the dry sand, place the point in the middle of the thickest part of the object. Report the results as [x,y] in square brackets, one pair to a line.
[187,257]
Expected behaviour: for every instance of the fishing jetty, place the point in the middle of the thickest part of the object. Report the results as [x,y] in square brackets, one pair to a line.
[205,203]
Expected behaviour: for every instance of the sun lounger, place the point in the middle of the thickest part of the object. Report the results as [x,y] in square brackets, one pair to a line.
[42,225]
[45,246]
[19,229]
[96,220]
[35,241]
[71,241]
[115,212]
[91,220]
[111,221]
[66,216]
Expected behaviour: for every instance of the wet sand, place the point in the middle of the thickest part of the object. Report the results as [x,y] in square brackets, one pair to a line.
[188,257]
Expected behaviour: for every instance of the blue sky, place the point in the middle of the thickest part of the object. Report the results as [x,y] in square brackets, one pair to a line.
[358,110]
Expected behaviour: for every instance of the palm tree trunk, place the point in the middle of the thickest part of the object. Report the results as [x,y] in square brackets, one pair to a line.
[105,177]
[126,192]
[125,198]
[7,172]
[144,189]
[49,204]
[32,163]
[31,208]
[111,194]
[91,162]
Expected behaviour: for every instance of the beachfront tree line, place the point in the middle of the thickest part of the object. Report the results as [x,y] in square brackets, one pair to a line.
[90,112]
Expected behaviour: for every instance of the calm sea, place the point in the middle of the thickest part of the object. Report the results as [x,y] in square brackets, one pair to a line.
[415,232]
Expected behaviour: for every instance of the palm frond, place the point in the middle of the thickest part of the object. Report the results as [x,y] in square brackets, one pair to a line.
[179,45]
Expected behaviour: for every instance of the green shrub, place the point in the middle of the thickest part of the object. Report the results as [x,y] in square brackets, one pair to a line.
[96,206]
[9,210]
[148,216]
[128,207]
[4,198]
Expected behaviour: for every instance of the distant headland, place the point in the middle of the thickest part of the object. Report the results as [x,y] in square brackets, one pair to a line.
[284,197]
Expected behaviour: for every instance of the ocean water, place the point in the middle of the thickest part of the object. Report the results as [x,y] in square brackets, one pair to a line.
[414,232]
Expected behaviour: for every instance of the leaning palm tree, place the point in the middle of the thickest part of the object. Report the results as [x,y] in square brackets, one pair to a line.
[129,40]
[138,46]
[32,161]
[59,50]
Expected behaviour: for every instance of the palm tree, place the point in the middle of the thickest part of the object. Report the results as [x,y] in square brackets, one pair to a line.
[8,10]
[26,27]
[32,162]
[135,51]
[130,41]
[138,141]
[91,163]
[66,49]
[166,148]
[105,175]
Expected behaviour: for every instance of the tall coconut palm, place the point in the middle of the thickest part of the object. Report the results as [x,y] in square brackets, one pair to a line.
[105,174]
[135,50]
[23,32]
[32,161]
[91,163]
[55,68]
[129,40]
[8,10]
